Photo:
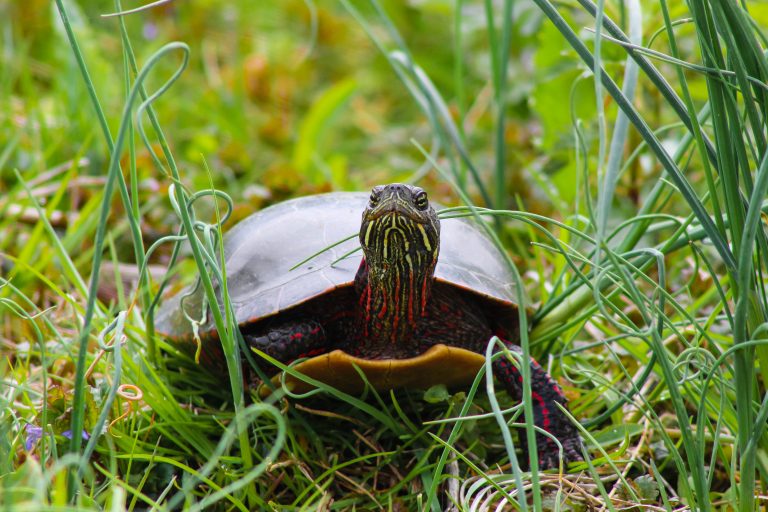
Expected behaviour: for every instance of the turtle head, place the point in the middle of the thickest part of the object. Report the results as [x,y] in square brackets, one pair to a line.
[400,237]
[400,229]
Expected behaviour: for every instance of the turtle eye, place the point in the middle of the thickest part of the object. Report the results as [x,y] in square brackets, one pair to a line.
[374,200]
[421,201]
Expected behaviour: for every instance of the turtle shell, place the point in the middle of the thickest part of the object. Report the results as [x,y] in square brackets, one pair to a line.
[440,364]
[266,276]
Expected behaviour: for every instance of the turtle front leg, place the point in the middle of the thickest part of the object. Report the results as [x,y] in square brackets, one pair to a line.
[546,415]
[290,341]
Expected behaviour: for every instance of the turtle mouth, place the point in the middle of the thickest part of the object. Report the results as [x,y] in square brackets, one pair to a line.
[393,232]
[398,224]
[397,209]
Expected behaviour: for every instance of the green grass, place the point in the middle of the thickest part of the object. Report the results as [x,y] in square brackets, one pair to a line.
[617,152]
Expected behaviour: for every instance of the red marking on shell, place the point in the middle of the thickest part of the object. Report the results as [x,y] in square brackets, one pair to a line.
[338,315]
[311,353]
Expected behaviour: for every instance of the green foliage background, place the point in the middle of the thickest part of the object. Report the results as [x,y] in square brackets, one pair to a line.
[651,317]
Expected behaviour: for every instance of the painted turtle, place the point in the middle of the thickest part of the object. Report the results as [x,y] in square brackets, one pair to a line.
[396,311]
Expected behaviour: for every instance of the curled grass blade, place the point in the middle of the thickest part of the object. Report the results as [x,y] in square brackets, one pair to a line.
[654,144]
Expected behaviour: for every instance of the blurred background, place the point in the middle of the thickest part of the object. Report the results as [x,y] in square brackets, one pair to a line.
[289,98]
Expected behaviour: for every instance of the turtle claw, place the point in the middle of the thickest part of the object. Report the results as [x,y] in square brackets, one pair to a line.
[546,395]
[549,452]
[573,449]
[290,341]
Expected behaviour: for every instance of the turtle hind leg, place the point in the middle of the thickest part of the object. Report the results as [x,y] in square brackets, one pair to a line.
[290,341]
[546,414]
